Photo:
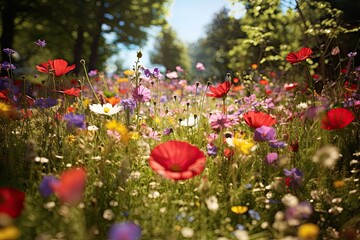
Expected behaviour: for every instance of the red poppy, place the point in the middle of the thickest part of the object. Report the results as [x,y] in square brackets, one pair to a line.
[264,82]
[219,91]
[58,66]
[75,92]
[301,55]
[256,119]
[228,153]
[177,160]
[337,118]
[71,185]
[4,97]
[11,201]
[289,86]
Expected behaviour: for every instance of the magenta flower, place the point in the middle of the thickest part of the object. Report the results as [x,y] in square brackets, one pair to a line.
[141,94]
[200,67]
[271,158]
[264,133]
[219,120]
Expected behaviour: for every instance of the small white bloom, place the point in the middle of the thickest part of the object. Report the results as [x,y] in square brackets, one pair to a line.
[290,200]
[190,121]
[92,128]
[187,232]
[212,203]
[241,235]
[327,156]
[41,160]
[106,109]
[108,214]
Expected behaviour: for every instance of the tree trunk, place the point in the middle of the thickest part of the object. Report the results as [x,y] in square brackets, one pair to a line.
[96,36]
[78,48]
[8,28]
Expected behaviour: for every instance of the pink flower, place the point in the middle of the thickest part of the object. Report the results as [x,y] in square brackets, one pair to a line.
[219,120]
[141,94]
[200,66]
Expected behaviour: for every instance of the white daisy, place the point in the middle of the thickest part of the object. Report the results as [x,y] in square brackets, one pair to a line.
[106,109]
[190,122]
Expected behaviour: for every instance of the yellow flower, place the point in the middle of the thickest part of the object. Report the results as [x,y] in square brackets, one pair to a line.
[120,128]
[120,80]
[308,231]
[339,183]
[135,135]
[5,109]
[86,102]
[254,66]
[129,72]
[239,209]
[70,138]
[9,233]
[241,145]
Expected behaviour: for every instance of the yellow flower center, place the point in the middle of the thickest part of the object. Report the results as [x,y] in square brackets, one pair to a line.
[106,109]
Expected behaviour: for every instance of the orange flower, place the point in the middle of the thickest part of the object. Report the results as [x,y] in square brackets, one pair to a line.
[113,100]
[264,82]
[219,91]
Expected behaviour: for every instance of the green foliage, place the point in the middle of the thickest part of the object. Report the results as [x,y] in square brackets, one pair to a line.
[169,51]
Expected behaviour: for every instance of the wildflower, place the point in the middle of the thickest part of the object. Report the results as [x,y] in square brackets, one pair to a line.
[12,201]
[200,67]
[177,160]
[264,133]
[254,215]
[211,149]
[154,74]
[106,109]
[172,75]
[41,159]
[327,156]
[129,72]
[45,185]
[191,121]
[141,94]
[335,51]
[167,131]
[212,203]
[46,102]
[220,91]
[75,92]
[40,43]
[71,185]
[290,200]
[277,144]
[219,120]
[271,158]
[75,120]
[9,233]
[350,54]
[339,183]
[239,209]
[289,86]
[113,100]
[187,232]
[294,177]
[244,146]
[337,118]
[128,104]
[7,66]
[298,212]
[9,51]
[179,69]
[301,55]
[124,230]
[58,66]
[93,73]
[241,234]
[256,119]
[5,110]
[308,231]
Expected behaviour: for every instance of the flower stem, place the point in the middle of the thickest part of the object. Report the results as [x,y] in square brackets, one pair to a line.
[82,61]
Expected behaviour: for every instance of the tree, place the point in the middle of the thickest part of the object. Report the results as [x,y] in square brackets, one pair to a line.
[170,51]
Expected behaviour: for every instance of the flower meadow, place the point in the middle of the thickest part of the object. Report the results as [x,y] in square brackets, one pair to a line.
[146,154]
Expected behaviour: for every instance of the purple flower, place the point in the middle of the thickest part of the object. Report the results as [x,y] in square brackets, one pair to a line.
[45,185]
[211,149]
[264,133]
[128,104]
[124,231]
[75,120]
[301,211]
[9,51]
[40,43]
[277,144]
[294,177]
[271,158]
[7,66]
[141,94]
[93,73]
[168,131]
[46,102]
[163,99]
[352,54]
[155,74]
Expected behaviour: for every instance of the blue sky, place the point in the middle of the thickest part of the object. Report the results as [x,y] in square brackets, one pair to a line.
[188,18]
